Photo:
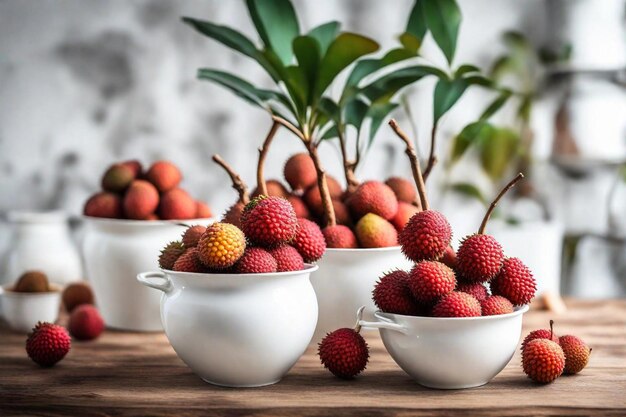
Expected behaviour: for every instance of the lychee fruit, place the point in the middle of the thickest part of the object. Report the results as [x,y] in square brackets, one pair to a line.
[403,215]
[344,352]
[300,171]
[221,246]
[339,236]
[47,344]
[543,360]
[430,280]
[476,289]
[449,257]
[141,200]
[170,253]
[495,305]
[457,304]
[135,166]
[255,261]
[576,353]
[299,207]
[233,214]
[189,262]
[32,281]
[541,334]
[275,188]
[309,240]
[372,231]
[479,258]
[77,294]
[104,204]
[164,175]
[342,214]
[117,178]
[85,322]
[426,236]
[404,189]
[269,221]
[515,282]
[203,211]
[177,204]
[287,259]
[373,197]
[392,294]
[313,198]
[192,235]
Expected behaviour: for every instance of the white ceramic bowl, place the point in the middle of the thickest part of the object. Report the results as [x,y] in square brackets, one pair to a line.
[115,252]
[345,281]
[22,310]
[450,353]
[237,330]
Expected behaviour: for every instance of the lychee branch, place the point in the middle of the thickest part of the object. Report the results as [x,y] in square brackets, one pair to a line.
[238,183]
[262,186]
[494,203]
[432,159]
[415,164]
[349,166]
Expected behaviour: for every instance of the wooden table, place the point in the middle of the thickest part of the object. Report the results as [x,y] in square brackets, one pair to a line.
[133,374]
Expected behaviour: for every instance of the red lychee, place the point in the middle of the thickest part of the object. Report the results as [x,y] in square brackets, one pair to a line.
[287,259]
[76,294]
[339,236]
[233,214]
[403,215]
[457,304]
[47,344]
[479,258]
[269,221]
[104,204]
[141,200]
[430,280]
[300,171]
[309,241]
[372,231]
[476,289]
[85,323]
[275,188]
[576,353]
[117,178]
[344,352]
[426,236]
[189,261]
[177,204]
[203,211]
[392,294]
[255,261]
[495,305]
[543,360]
[403,189]
[192,235]
[313,198]
[170,253]
[299,207]
[541,334]
[135,166]
[515,282]
[449,257]
[373,197]
[164,175]
[342,214]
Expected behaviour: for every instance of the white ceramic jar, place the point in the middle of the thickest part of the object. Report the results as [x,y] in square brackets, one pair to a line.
[115,251]
[237,330]
[23,310]
[345,282]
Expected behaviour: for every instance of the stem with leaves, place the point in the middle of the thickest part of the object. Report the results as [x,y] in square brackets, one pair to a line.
[494,203]
[311,146]
[415,164]
[238,183]
[261,185]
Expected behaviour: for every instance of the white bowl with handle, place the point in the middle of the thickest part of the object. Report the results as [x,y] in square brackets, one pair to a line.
[237,330]
[450,353]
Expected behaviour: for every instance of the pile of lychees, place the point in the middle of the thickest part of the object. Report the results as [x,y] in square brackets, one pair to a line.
[271,238]
[130,193]
[370,216]
[545,356]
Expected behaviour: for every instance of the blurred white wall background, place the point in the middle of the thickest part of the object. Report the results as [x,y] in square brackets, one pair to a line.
[83,84]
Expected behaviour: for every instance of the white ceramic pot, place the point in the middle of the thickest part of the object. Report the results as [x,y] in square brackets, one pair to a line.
[42,241]
[22,310]
[237,330]
[115,252]
[450,353]
[345,282]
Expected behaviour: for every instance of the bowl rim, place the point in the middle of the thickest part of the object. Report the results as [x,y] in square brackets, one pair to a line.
[7,291]
[308,268]
[148,223]
[351,250]
[516,312]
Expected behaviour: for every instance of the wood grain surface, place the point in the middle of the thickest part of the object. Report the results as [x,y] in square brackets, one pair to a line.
[135,374]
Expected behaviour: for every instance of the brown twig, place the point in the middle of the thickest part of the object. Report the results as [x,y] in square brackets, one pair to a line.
[290,127]
[260,181]
[238,183]
[432,159]
[348,166]
[415,164]
[494,203]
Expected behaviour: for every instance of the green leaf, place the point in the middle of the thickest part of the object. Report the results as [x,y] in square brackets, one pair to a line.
[306,50]
[298,86]
[447,93]
[385,87]
[497,152]
[239,86]
[443,18]
[324,34]
[469,190]
[472,134]
[465,69]
[343,51]
[410,42]
[502,66]
[355,111]
[496,105]
[415,27]
[525,106]
[330,133]
[377,114]
[225,35]
[277,24]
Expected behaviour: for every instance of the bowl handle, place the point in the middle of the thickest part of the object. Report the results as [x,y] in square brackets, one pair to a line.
[389,325]
[145,279]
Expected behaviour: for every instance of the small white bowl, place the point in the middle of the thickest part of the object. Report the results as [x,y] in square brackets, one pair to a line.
[450,353]
[23,310]
[237,330]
